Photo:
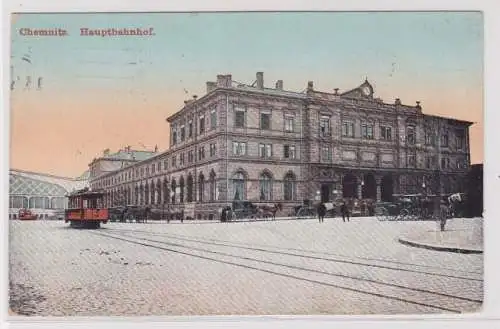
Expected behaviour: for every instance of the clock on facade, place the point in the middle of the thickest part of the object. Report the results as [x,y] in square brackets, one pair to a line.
[366,90]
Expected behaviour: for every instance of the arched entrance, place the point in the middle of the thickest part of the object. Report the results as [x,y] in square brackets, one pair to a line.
[325,193]
[369,187]
[386,188]
[349,186]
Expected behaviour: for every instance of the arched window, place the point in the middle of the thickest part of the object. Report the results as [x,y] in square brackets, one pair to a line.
[40,202]
[166,192]
[212,186]
[19,202]
[181,192]
[265,186]
[174,187]
[146,194]
[154,192]
[289,187]
[239,186]
[190,188]
[201,187]
[57,203]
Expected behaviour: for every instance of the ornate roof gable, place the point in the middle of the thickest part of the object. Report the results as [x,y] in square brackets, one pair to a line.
[364,91]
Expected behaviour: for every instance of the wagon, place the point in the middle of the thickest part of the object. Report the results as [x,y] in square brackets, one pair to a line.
[243,210]
[306,210]
[406,207]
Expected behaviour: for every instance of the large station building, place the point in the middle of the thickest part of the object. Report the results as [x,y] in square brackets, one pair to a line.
[268,145]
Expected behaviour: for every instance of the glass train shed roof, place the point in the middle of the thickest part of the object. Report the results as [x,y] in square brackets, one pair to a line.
[31,183]
[30,186]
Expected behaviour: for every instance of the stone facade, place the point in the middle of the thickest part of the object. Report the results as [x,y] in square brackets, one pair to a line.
[269,145]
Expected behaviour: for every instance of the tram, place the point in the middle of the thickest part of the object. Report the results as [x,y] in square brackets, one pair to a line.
[25,214]
[86,209]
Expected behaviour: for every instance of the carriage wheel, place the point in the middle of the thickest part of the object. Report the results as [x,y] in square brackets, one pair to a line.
[301,213]
[382,213]
[403,215]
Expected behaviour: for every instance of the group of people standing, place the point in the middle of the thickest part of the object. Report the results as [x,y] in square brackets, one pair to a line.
[344,210]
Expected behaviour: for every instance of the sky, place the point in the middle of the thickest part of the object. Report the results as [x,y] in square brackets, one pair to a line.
[109,92]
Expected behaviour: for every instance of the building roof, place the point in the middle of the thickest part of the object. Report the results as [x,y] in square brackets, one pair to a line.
[28,182]
[448,118]
[137,155]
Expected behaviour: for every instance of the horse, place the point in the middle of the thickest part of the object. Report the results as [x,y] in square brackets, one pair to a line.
[271,210]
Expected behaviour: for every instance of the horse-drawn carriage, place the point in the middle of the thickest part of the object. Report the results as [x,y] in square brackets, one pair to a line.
[246,210]
[410,207]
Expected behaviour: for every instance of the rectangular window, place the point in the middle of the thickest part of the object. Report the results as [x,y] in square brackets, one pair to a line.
[445,163]
[265,150]
[202,124]
[347,129]
[265,121]
[429,138]
[165,165]
[201,153]
[174,161]
[190,129]
[174,137]
[212,150]
[367,131]
[269,150]
[410,135]
[213,119]
[181,160]
[289,152]
[460,139]
[412,161]
[289,123]
[239,148]
[444,140]
[183,133]
[386,133]
[324,126]
[190,157]
[326,154]
[239,119]
[153,168]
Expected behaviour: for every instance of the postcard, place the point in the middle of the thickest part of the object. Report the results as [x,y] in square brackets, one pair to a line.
[246,163]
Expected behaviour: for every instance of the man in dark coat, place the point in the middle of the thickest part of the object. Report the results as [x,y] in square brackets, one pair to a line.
[344,209]
[321,212]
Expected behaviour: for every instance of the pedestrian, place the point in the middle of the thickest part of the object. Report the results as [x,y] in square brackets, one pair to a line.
[345,211]
[223,215]
[321,212]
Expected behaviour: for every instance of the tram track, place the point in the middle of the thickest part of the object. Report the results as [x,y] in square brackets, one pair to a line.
[401,293]
[375,263]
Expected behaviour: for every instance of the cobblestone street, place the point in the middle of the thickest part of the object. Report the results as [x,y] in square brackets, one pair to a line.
[252,268]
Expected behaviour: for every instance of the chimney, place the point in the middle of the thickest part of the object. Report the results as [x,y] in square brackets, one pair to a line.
[310,86]
[260,80]
[336,91]
[195,97]
[105,152]
[224,81]
[418,105]
[211,86]
[398,101]
[279,84]
[156,148]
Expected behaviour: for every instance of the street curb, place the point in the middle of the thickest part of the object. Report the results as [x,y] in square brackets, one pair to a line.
[439,248]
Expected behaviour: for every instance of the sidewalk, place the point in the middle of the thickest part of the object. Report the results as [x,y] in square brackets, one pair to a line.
[461,235]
